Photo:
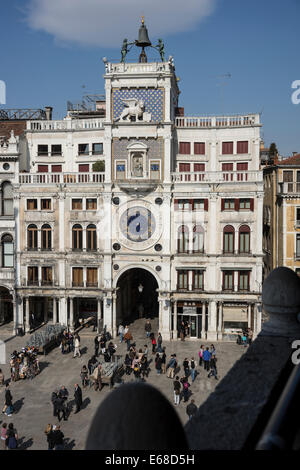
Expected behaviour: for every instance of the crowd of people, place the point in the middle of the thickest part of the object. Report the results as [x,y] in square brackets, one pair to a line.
[24,364]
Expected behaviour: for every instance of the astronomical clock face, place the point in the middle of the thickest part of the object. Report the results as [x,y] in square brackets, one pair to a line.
[137,224]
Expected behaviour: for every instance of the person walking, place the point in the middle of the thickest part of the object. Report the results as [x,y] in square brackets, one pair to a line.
[193,369]
[97,378]
[153,345]
[191,409]
[84,376]
[54,397]
[158,364]
[77,346]
[206,358]
[50,437]
[182,331]
[200,354]
[78,398]
[11,437]
[213,367]
[128,337]
[163,361]
[177,387]
[58,438]
[212,349]
[60,408]
[159,343]
[148,328]
[96,344]
[103,343]
[8,402]
[3,435]
[186,367]
[121,332]
[171,366]
[185,388]
[250,336]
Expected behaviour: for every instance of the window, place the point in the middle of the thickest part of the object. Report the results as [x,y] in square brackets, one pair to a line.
[228,239]
[244,204]
[91,204]
[244,277]
[46,276]
[298,216]
[84,168]
[242,146]
[199,167]
[228,280]
[298,245]
[287,176]
[31,204]
[91,239]
[56,168]
[198,239]
[182,280]
[76,204]
[92,277]
[33,276]
[185,148]
[83,149]
[244,239]
[46,237]
[32,237]
[42,150]
[7,199]
[198,204]
[55,150]
[98,149]
[244,168]
[45,204]
[184,167]
[77,237]
[154,170]
[183,240]
[182,204]
[229,204]
[42,168]
[77,277]
[227,167]
[199,148]
[227,148]
[120,167]
[7,251]
[198,279]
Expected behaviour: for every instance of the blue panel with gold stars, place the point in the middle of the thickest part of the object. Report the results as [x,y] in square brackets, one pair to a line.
[152,97]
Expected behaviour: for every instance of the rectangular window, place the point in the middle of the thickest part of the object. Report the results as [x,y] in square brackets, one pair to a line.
[199,148]
[228,242]
[198,204]
[183,204]
[77,277]
[42,168]
[242,167]
[56,168]
[227,148]
[244,204]
[154,170]
[288,176]
[242,146]
[33,276]
[244,277]
[198,281]
[8,255]
[46,276]
[83,149]
[182,279]
[92,277]
[76,204]
[184,167]
[120,167]
[97,149]
[42,150]
[31,204]
[45,204]
[298,216]
[227,169]
[185,148]
[228,280]
[298,245]
[199,167]
[229,204]
[83,168]
[91,204]
[55,150]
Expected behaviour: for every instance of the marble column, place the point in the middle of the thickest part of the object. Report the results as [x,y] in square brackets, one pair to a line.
[203,332]
[71,325]
[27,325]
[175,333]
[249,315]
[54,319]
[220,320]
[114,316]
[212,334]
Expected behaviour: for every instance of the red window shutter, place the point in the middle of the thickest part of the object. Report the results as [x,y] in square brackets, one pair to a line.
[227,148]
[206,204]
[56,168]
[199,167]
[184,167]
[236,204]
[227,166]
[222,204]
[84,168]
[185,148]
[199,148]
[242,146]
[251,204]
[242,166]
[42,168]
[176,204]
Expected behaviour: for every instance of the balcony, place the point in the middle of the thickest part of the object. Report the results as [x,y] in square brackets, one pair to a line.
[248,120]
[61,178]
[65,125]
[288,188]
[218,177]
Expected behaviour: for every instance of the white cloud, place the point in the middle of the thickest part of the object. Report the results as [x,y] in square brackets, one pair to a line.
[107,22]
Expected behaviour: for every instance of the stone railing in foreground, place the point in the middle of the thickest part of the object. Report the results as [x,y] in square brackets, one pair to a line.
[139,417]
[218,121]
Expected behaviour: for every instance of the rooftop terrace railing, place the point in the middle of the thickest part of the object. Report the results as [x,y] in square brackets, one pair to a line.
[61,178]
[218,121]
[65,125]
[217,177]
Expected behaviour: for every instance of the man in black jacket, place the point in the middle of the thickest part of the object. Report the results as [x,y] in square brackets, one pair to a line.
[213,367]
[78,397]
[60,408]
[54,397]
[8,401]
[191,409]
[177,387]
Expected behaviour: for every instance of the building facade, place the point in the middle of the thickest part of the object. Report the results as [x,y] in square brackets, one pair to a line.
[170,227]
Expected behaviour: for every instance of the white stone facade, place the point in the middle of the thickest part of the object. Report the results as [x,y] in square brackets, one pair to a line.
[157,183]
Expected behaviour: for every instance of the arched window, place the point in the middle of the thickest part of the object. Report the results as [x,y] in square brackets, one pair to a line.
[7,199]
[7,251]
[244,239]
[91,239]
[46,237]
[32,237]
[228,239]
[77,237]
[183,240]
[198,239]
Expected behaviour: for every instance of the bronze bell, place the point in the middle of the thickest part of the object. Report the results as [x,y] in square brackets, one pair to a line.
[143,40]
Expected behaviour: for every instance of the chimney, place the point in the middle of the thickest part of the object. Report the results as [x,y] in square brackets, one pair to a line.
[48,111]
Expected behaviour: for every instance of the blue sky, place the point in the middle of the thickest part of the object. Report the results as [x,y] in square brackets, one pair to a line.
[44,61]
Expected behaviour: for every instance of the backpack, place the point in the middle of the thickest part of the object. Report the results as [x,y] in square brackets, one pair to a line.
[12,442]
[186,385]
[192,365]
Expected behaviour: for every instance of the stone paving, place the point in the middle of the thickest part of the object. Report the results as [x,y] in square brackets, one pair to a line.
[31,398]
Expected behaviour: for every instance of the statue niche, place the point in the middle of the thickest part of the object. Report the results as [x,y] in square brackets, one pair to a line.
[137,165]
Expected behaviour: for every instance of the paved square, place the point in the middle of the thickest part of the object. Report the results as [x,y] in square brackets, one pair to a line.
[32,398]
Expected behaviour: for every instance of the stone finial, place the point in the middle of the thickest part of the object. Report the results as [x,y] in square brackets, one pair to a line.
[136,416]
[281,300]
